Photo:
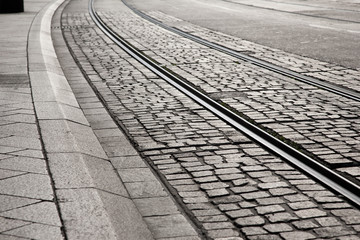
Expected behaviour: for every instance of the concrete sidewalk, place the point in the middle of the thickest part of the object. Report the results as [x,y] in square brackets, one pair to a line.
[63,165]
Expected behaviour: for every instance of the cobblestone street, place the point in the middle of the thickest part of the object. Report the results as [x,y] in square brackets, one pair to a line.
[323,124]
[94,145]
[224,181]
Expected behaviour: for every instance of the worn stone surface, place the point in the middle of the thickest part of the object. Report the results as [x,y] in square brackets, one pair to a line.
[28,208]
[291,109]
[219,174]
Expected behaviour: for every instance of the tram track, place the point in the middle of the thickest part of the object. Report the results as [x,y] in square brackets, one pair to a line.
[311,167]
[300,13]
[339,90]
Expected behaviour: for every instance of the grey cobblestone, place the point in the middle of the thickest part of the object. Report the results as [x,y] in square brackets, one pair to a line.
[321,70]
[185,143]
[281,106]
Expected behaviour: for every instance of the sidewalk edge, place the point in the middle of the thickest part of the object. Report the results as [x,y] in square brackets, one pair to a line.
[86,184]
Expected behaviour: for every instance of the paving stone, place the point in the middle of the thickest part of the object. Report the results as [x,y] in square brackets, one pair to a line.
[207,179]
[215,218]
[255,195]
[345,212]
[33,165]
[228,199]
[244,189]
[189,188]
[218,225]
[280,217]
[298,235]
[265,237]
[195,200]
[43,212]
[128,162]
[8,174]
[239,213]
[302,205]
[269,209]
[170,226]
[11,202]
[333,231]
[270,201]
[136,175]
[145,189]
[230,238]
[29,185]
[281,191]
[328,221]
[8,224]
[192,194]
[260,174]
[351,219]
[270,179]
[27,153]
[217,192]
[272,185]
[182,182]
[207,212]
[327,199]
[249,231]
[221,233]
[310,213]
[253,168]
[21,142]
[305,224]
[227,171]
[229,177]
[349,237]
[37,231]
[245,204]
[310,187]
[156,206]
[335,205]
[202,174]
[250,221]
[227,207]
[296,198]
[278,228]
[215,185]
[200,206]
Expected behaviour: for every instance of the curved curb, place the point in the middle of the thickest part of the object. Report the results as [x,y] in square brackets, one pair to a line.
[89,191]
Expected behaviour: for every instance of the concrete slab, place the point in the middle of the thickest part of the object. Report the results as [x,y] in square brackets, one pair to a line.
[8,224]
[170,226]
[12,202]
[84,171]
[37,231]
[158,206]
[43,212]
[126,217]
[85,215]
[29,185]
[55,110]
[145,189]
[66,136]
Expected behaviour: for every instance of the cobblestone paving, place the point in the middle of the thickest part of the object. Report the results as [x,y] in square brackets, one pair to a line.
[324,124]
[232,188]
[349,78]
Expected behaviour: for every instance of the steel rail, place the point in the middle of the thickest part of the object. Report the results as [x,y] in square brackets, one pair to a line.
[308,165]
[339,90]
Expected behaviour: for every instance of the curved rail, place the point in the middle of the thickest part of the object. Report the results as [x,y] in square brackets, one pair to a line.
[308,165]
[300,13]
[342,91]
